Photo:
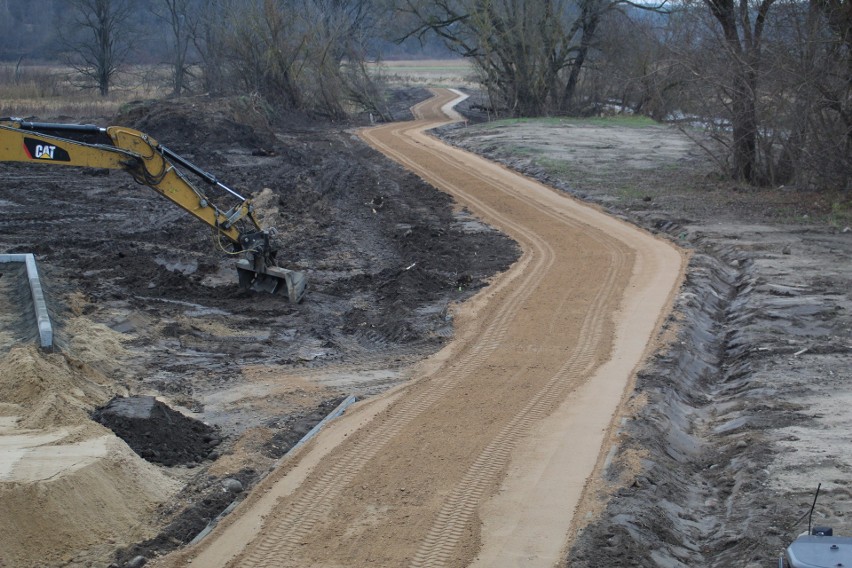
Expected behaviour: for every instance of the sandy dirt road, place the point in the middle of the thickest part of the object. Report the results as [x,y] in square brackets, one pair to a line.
[482,459]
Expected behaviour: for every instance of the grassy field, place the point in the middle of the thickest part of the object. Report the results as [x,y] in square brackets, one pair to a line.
[53,92]
[49,92]
[427,72]
[620,121]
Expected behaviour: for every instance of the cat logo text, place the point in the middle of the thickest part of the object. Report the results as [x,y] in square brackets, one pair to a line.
[41,150]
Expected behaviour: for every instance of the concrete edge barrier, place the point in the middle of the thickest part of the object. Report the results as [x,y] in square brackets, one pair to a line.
[45,329]
[341,408]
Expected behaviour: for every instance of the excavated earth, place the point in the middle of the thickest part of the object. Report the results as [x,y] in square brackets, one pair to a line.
[145,305]
[720,446]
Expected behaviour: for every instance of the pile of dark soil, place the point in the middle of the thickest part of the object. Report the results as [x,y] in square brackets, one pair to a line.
[207,497]
[156,432]
[195,122]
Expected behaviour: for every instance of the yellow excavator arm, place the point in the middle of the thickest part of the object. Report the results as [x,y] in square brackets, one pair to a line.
[152,164]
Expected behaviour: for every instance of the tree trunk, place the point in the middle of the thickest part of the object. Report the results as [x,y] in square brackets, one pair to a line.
[590,17]
[104,32]
[744,123]
[745,56]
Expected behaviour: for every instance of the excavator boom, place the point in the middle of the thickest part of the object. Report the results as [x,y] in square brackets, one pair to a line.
[152,164]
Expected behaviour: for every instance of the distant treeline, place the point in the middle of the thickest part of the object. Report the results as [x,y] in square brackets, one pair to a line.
[31,31]
[769,80]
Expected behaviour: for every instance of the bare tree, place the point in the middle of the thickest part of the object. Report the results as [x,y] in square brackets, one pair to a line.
[742,24]
[267,44]
[772,82]
[99,39]
[830,66]
[299,54]
[530,53]
[341,33]
[633,69]
[181,18]
[517,46]
[209,34]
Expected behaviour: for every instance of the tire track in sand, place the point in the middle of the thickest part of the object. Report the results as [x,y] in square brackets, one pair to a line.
[459,509]
[421,477]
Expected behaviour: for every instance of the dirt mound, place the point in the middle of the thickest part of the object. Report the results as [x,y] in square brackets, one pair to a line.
[80,513]
[198,122]
[97,345]
[50,390]
[70,490]
[156,432]
[209,495]
[216,494]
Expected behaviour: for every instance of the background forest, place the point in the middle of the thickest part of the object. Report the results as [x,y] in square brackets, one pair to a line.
[769,80]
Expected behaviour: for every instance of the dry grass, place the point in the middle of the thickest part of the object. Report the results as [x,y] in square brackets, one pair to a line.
[427,73]
[49,92]
[55,93]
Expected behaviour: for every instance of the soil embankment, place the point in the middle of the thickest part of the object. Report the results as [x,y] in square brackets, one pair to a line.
[484,455]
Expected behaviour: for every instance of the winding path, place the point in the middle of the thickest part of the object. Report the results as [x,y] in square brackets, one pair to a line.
[483,458]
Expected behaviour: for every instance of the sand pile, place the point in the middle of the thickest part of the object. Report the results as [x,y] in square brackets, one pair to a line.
[82,513]
[71,491]
[49,390]
[97,345]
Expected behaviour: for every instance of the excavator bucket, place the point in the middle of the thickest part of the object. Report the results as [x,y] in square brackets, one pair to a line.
[272,279]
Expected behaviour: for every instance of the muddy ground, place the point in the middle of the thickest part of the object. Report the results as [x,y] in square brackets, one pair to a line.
[145,304]
[733,426]
[736,423]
